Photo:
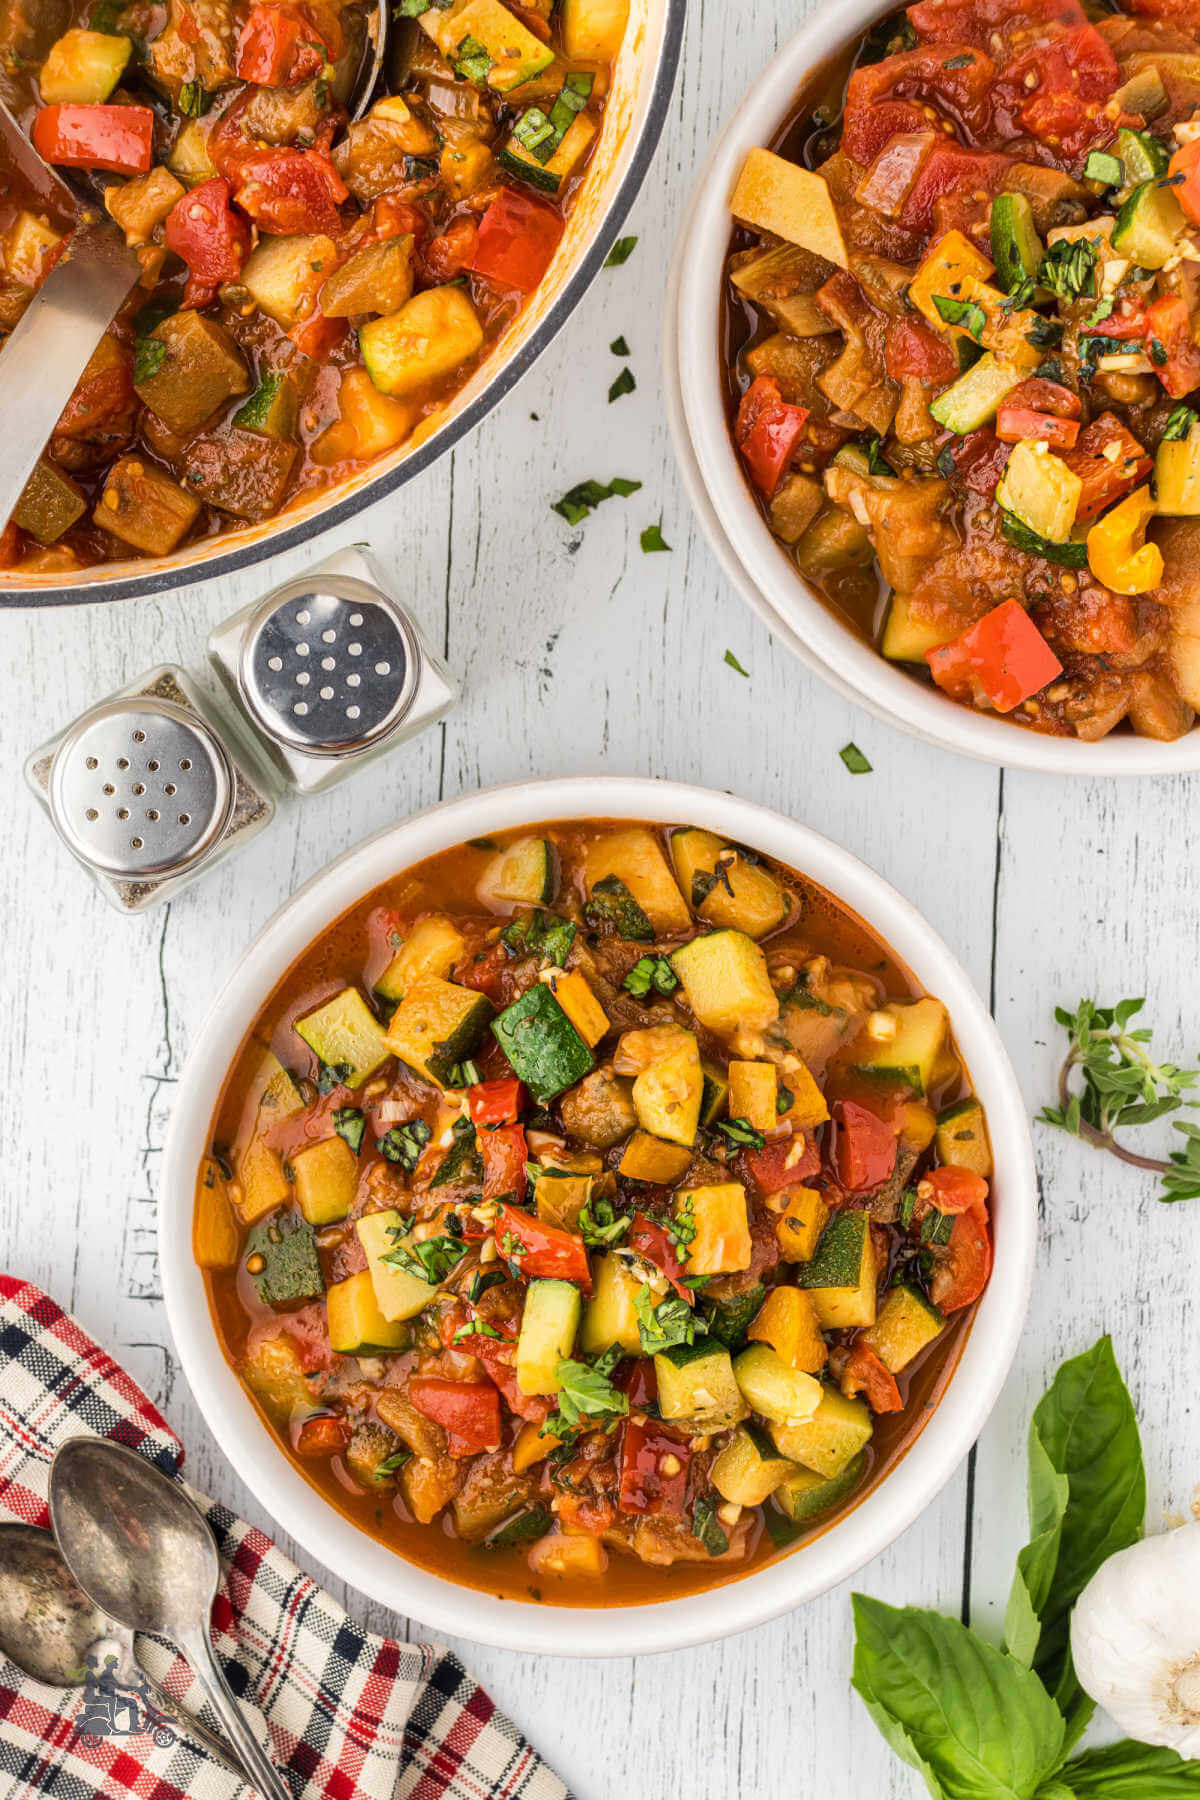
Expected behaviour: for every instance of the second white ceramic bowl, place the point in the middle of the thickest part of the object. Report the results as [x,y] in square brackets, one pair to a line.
[696,1618]
[727,510]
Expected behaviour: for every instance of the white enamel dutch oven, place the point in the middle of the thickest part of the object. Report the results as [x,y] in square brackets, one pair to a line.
[757,565]
[696,1618]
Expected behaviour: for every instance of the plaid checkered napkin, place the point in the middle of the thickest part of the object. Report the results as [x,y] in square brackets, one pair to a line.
[351,1716]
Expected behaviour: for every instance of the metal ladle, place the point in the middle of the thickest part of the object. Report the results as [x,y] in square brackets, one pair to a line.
[142,1552]
[49,1628]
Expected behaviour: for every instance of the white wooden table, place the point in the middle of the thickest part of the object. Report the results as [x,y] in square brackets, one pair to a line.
[577,652]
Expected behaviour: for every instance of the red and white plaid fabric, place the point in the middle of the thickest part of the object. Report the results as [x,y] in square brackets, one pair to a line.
[351,1716]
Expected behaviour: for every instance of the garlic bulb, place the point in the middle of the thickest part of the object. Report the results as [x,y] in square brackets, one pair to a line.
[1135,1639]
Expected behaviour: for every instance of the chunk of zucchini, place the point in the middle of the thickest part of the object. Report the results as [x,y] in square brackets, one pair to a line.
[431,335]
[548,1327]
[841,1275]
[326,1178]
[635,858]
[281,1256]
[515,55]
[773,1388]
[432,947]
[907,1324]
[828,1441]
[730,1318]
[356,1325]
[282,273]
[907,638]
[971,401]
[667,1094]
[724,887]
[549,176]
[910,1055]
[83,67]
[436,1025]
[1017,249]
[806,1495]
[721,1244]
[801,1223]
[749,1469]
[610,1317]
[541,1044]
[753,1092]
[398,1294]
[262,1184]
[525,873]
[725,981]
[648,1158]
[715,1096]
[1149,226]
[962,1137]
[1177,476]
[696,1382]
[593,30]
[345,1034]
[1040,490]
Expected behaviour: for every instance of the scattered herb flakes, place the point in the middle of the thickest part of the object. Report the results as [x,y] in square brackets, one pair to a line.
[599,1225]
[403,1143]
[650,972]
[733,662]
[624,384]
[877,463]
[967,313]
[148,359]
[669,1323]
[428,1259]
[585,1392]
[349,1123]
[620,253]
[652,539]
[854,759]
[332,1075]
[619,347]
[585,496]
[1068,268]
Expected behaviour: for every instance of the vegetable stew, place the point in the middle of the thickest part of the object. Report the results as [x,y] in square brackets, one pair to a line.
[313,291]
[963,339]
[594,1211]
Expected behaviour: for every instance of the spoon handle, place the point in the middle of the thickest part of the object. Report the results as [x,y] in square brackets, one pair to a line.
[209,1742]
[261,1771]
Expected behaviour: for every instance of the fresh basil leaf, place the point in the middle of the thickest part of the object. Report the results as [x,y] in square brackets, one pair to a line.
[148,358]
[1130,1771]
[620,253]
[1089,1431]
[403,1143]
[707,1527]
[624,384]
[733,663]
[976,1723]
[652,539]
[854,759]
[349,1123]
[1049,1492]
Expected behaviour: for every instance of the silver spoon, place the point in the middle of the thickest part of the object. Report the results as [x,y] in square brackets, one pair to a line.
[49,1628]
[141,1552]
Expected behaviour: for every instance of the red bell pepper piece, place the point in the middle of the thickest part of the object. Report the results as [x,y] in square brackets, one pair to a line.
[120,138]
[950,1190]
[1186,162]
[1171,346]
[1016,423]
[979,460]
[638,1380]
[327,1435]
[500,1362]
[280,46]
[864,1152]
[542,1251]
[504,1156]
[866,1374]
[767,430]
[914,350]
[1005,655]
[211,239]
[783,1163]
[654,1470]
[468,1410]
[517,240]
[287,191]
[446,256]
[962,1267]
[1108,477]
[496,1102]
[1046,397]
[656,1244]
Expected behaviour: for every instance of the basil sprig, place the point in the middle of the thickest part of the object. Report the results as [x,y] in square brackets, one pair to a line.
[986,1724]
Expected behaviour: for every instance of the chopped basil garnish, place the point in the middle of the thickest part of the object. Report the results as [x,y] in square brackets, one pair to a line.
[652,539]
[733,663]
[350,1124]
[429,1259]
[585,496]
[967,313]
[332,1075]
[624,384]
[854,759]
[403,1143]
[650,972]
[1180,421]
[619,347]
[707,1527]
[1068,268]
[620,253]
[148,358]
[741,1133]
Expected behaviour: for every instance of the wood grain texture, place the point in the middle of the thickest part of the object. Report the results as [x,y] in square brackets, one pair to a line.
[578,653]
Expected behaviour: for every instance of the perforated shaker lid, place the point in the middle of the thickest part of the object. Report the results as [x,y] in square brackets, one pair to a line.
[329,665]
[141,787]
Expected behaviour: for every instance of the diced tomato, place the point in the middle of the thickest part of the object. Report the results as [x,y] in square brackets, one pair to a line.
[118,138]
[1075,73]
[504,1154]
[947,169]
[517,240]
[783,1163]
[204,231]
[637,1379]
[656,1244]
[289,191]
[447,255]
[1109,461]
[962,1267]
[865,1374]
[1005,655]
[979,460]
[496,1102]
[869,127]
[956,84]
[767,430]
[468,1410]
[327,1435]
[499,1359]
[1046,397]
[316,335]
[391,217]
[1186,163]
[543,1251]
[281,46]
[654,1470]
[976,21]
[951,1190]
[483,972]
[1171,345]
[864,1151]
[1015,423]
[913,350]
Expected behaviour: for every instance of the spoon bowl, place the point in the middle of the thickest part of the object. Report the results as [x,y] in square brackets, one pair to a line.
[47,1623]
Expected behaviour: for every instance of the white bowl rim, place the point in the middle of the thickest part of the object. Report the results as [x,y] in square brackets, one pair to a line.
[692,1619]
[791,609]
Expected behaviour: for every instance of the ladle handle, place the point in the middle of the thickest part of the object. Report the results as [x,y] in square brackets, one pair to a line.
[261,1771]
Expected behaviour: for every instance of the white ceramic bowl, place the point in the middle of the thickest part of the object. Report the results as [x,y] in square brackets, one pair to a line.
[696,1618]
[728,512]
